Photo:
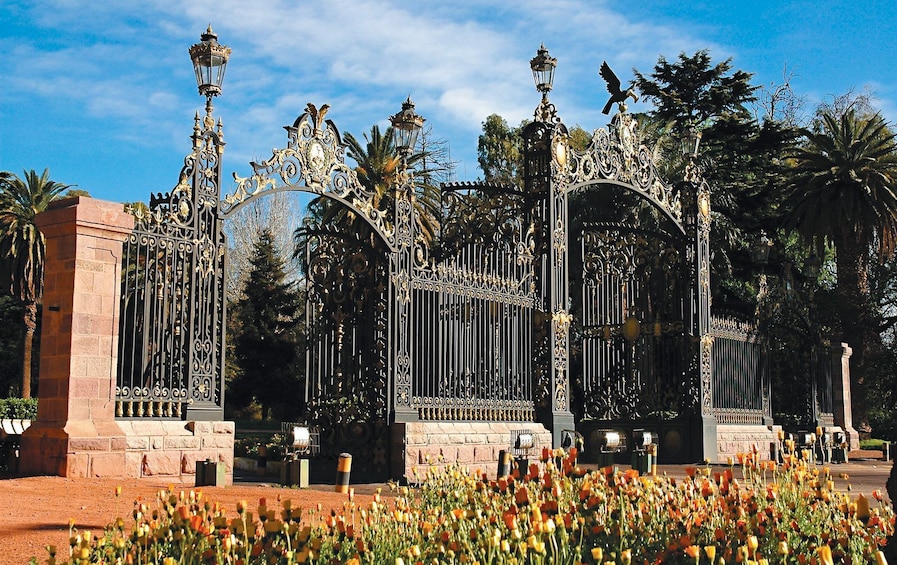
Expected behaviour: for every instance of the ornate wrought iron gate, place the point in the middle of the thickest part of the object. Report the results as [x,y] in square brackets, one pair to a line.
[480,327]
[171,338]
[634,348]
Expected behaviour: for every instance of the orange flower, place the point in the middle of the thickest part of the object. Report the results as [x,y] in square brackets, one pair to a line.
[694,552]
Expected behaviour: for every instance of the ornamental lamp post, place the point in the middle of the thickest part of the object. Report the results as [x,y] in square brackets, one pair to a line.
[209,63]
[690,142]
[543,66]
[760,250]
[406,124]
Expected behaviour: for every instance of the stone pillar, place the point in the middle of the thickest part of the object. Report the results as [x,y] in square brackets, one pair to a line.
[843,415]
[75,434]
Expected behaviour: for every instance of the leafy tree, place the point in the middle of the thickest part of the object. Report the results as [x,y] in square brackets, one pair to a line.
[741,157]
[22,249]
[500,151]
[11,313]
[267,345]
[844,193]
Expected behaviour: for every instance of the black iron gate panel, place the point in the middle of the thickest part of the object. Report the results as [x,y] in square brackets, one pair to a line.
[347,347]
[634,349]
[171,344]
[471,333]
[741,385]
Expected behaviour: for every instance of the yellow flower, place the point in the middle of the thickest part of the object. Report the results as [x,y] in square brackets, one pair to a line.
[710,550]
[862,507]
[598,554]
[825,555]
[783,548]
[752,544]
[880,558]
[626,556]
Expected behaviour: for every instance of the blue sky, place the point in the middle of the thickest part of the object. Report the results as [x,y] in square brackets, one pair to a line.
[102,92]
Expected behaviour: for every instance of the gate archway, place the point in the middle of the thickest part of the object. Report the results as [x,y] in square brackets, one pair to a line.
[629,298]
[173,302]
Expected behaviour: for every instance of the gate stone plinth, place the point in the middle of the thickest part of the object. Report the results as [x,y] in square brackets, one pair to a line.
[75,434]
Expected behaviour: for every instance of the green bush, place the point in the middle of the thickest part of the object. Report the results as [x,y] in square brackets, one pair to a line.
[24,408]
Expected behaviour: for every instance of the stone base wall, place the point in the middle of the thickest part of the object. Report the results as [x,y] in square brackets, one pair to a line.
[418,446]
[732,439]
[158,448]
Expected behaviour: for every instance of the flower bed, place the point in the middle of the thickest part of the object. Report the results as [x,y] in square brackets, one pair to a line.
[754,512]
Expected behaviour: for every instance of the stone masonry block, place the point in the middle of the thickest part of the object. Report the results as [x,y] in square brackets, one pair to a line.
[200,427]
[107,464]
[77,465]
[89,444]
[133,464]
[138,442]
[189,459]
[162,463]
[182,442]
[223,428]
[217,441]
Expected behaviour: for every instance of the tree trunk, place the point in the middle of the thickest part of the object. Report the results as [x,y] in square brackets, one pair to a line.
[30,319]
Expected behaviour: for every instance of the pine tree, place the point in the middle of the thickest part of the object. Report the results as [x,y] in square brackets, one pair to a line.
[267,343]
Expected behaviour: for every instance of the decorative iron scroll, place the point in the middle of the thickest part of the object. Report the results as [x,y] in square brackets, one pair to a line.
[617,154]
[312,161]
[347,324]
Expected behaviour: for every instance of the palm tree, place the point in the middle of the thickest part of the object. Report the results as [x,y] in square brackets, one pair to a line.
[22,248]
[844,193]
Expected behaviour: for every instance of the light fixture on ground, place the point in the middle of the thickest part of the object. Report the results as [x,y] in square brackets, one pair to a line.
[572,439]
[644,451]
[522,444]
[209,63]
[805,442]
[607,443]
[302,443]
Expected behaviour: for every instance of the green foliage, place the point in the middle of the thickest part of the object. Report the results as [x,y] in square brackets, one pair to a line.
[19,408]
[22,249]
[11,313]
[500,151]
[267,343]
[844,193]
[741,158]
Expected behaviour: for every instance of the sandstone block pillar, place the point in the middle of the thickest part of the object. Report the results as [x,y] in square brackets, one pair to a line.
[843,414]
[75,434]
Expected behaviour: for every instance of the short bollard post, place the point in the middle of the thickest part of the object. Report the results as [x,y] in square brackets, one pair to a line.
[343,467]
[262,461]
[504,464]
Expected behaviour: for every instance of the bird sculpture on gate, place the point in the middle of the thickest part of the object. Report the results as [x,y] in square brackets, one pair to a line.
[617,94]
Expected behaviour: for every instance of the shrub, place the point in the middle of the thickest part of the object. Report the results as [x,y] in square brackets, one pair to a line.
[23,408]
